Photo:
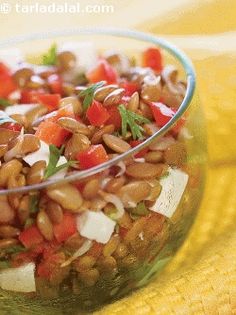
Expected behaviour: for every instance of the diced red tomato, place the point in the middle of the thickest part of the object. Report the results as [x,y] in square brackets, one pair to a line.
[161,113]
[12,126]
[130,87]
[50,267]
[51,133]
[93,156]
[141,153]
[7,84]
[103,71]
[55,84]
[123,231]
[67,227]
[31,237]
[66,111]
[152,58]
[115,118]
[51,101]
[30,96]
[97,114]
[4,70]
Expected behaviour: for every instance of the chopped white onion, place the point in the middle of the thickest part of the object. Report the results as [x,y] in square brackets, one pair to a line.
[162,143]
[95,226]
[184,132]
[116,201]
[122,170]
[139,160]
[85,53]
[21,109]
[11,57]
[173,187]
[16,95]
[19,279]
[81,251]
[104,182]
[16,151]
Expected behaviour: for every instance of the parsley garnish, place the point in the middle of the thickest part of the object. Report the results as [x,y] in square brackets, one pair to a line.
[130,119]
[54,157]
[138,211]
[50,58]
[4,102]
[15,249]
[34,203]
[88,94]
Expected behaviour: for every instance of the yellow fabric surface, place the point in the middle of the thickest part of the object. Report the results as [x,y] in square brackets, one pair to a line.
[201,279]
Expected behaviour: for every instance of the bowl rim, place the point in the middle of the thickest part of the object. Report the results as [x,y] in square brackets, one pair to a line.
[116,32]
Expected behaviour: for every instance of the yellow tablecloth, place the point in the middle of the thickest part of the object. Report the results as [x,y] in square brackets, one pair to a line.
[202,277]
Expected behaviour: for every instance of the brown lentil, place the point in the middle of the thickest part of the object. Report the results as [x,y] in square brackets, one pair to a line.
[84,263]
[146,110]
[7,135]
[116,144]
[8,231]
[22,76]
[111,246]
[77,143]
[97,137]
[89,277]
[114,98]
[74,102]
[67,196]
[66,60]
[44,225]
[134,192]
[153,156]
[23,210]
[8,242]
[115,184]
[54,212]
[36,173]
[73,125]
[133,103]
[144,170]
[121,251]
[151,90]
[9,168]
[3,149]
[91,189]
[101,93]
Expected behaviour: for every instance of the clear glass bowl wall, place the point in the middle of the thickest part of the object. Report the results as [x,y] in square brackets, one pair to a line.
[161,237]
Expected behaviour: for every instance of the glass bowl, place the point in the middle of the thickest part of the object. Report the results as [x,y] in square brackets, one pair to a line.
[141,245]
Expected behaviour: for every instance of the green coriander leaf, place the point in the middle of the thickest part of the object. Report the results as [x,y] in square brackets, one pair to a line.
[88,94]
[54,157]
[138,211]
[29,222]
[15,249]
[5,264]
[34,203]
[4,102]
[131,120]
[50,58]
